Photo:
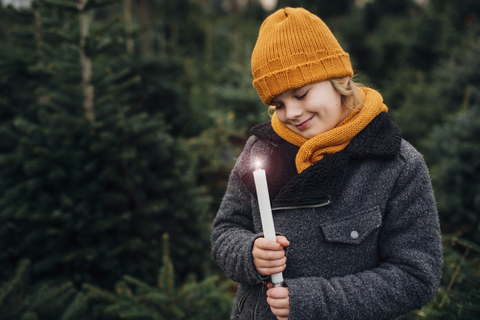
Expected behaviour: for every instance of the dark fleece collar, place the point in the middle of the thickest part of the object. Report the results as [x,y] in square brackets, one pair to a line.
[321,182]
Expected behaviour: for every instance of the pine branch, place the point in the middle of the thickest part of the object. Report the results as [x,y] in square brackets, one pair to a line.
[137,282]
[467,244]
[104,294]
[80,301]
[22,306]
[469,306]
[24,264]
[135,314]
[454,276]
[50,295]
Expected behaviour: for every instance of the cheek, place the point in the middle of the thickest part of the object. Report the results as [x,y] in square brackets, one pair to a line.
[281,115]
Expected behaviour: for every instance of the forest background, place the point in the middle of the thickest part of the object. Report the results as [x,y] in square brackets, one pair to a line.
[120,121]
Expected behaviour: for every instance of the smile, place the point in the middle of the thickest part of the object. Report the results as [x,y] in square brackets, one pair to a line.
[304,124]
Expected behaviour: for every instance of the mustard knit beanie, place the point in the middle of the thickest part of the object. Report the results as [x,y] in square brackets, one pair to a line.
[295,48]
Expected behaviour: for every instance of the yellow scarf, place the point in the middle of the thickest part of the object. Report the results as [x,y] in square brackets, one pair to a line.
[335,140]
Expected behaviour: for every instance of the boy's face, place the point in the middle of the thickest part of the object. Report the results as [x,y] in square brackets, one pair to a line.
[310,110]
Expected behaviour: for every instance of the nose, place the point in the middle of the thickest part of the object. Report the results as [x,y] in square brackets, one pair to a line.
[293,111]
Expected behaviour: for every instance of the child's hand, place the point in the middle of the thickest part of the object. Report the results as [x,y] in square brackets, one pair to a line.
[279,301]
[268,256]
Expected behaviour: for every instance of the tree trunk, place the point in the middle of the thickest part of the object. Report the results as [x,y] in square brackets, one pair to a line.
[146,35]
[38,36]
[127,14]
[42,98]
[86,63]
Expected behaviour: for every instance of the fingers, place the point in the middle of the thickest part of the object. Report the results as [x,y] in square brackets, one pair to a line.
[280,313]
[269,267]
[268,271]
[278,299]
[277,293]
[269,256]
[265,263]
[272,245]
[266,244]
[283,241]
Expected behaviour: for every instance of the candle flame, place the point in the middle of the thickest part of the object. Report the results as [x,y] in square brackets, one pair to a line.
[257,163]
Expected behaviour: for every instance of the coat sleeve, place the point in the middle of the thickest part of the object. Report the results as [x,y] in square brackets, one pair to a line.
[233,232]
[410,248]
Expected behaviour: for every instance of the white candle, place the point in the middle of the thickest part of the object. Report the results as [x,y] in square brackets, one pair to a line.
[266,212]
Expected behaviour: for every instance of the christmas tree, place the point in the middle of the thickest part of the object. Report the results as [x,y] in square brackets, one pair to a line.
[135,299]
[92,173]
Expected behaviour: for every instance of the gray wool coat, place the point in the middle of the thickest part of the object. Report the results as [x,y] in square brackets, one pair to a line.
[362,223]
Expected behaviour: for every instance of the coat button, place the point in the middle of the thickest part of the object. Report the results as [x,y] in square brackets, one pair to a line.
[354,234]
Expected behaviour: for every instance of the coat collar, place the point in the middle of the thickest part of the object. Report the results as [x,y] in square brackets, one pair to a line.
[380,140]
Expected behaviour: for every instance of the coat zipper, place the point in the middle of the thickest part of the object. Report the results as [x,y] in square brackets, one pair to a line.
[303,207]
[242,301]
[264,285]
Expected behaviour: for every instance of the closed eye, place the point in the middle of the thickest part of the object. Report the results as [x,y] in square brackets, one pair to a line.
[280,106]
[303,95]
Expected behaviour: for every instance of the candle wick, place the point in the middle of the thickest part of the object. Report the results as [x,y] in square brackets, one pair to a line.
[257,163]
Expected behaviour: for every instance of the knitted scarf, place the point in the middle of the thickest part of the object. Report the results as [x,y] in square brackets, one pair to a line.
[335,140]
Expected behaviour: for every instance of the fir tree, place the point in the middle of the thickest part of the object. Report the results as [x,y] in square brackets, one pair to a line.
[89,176]
[459,294]
[455,175]
[455,152]
[47,299]
[135,299]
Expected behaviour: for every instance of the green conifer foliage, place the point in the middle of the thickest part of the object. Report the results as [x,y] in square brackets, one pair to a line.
[13,292]
[456,170]
[91,173]
[112,113]
[406,50]
[456,176]
[47,299]
[136,299]
[459,294]
[455,166]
